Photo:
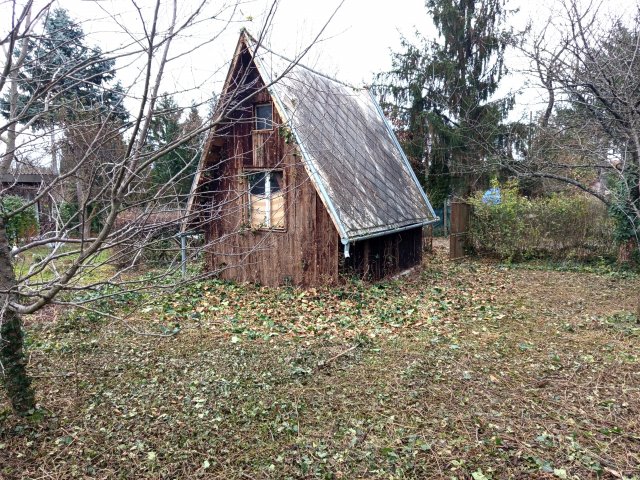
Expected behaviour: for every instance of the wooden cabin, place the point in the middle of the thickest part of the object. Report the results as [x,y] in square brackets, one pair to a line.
[302,179]
[28,183]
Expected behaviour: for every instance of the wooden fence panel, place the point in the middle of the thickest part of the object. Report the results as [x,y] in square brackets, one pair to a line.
[459,236]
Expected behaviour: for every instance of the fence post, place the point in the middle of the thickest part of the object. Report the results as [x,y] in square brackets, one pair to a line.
[460,216]
[183,254]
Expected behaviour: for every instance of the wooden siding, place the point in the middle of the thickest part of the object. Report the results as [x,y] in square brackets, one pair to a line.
[306,251]
[265,151]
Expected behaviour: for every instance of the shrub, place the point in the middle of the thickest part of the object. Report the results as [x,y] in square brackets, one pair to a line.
[626,221]
[21,225]
[69,215]
[160,250]
[557,226]
[71,218]
[621,210]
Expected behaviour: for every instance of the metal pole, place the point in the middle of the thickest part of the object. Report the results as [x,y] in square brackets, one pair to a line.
[444,214]
[183,252]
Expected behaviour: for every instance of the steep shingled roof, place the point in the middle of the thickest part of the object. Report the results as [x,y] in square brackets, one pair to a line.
[348,149]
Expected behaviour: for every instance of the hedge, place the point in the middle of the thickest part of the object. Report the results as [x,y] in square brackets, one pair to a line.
[558,226]
[21,225]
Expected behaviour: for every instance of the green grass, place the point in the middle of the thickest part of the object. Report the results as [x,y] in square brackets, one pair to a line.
[95,270]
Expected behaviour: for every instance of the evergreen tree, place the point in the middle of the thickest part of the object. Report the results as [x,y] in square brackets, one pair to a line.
[63,76]
[177,167]
[439,94]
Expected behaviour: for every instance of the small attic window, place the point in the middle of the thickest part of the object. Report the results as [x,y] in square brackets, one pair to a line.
[264,117]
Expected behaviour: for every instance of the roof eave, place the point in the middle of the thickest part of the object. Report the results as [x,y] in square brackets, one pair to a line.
[382,233]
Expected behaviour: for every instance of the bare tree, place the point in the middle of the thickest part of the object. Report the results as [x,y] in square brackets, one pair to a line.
[108,163]
[588,64]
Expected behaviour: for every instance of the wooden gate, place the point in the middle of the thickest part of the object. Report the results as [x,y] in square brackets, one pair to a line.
[458,238]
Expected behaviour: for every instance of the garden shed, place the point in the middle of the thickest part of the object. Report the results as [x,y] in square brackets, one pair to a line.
[302,178]
[29,184]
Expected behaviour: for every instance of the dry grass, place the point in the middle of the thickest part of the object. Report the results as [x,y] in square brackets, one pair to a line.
[465,370]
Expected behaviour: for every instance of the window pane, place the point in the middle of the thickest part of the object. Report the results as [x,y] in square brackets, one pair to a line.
[257,183]
[276,182]
[264,117]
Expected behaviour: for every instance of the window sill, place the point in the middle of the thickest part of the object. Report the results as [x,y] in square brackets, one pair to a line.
[269,230]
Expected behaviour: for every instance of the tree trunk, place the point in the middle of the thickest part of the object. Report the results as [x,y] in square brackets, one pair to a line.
[86,226]
[13,361]
[83,211]
[55,168]
[625,251]
[9,153]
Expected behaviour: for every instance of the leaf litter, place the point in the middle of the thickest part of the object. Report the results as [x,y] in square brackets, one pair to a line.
[460,370]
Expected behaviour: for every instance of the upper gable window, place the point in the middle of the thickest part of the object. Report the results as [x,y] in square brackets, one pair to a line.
[264,117]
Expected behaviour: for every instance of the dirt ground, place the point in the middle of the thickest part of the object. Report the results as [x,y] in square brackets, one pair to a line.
[469,369]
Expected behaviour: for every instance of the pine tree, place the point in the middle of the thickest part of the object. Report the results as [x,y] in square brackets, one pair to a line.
[439,94]
[62,76]
[177,167]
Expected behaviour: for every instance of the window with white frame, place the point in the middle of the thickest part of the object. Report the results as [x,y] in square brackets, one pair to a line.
[266,199]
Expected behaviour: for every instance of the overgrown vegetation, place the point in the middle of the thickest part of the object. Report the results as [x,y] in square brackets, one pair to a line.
[71,217]
[555,227]
[625,221]
[465,370]
[587,134]
[21,225]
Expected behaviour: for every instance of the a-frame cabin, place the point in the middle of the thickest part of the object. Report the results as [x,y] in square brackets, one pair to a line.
[302,178]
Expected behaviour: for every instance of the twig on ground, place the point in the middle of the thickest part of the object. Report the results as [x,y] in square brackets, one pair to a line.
[324,363]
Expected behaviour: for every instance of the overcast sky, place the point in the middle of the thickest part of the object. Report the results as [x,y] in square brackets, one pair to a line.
[354,47]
